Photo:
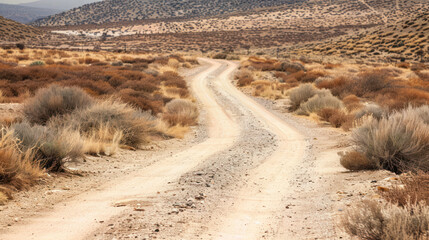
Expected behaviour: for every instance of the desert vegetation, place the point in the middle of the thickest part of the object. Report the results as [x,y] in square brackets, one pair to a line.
[89,106]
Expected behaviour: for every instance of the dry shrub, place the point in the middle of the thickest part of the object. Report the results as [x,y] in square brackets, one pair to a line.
[356,161]
[371,82]
[334,116]
[372,110]
[117,117]
[311,76]
[301,94]
[181,112]
[332,66]
[339,86]
[102,141]
[244,77]
[50,147]
[220,56]
[415,189]
[397,99]
[375,221]
[17,169]
[398,142]
[322,99]
[292,67]
[54,101]
[352,102]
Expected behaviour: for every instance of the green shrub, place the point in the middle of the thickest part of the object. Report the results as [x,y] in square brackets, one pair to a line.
[54,101]
[37,63]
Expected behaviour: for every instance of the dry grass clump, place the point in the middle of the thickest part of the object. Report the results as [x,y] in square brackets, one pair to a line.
[356,161]
[336,117]
[414,190]
[322,99]
[244,77]
[17,168]
[54,101]
[398,142]
[375,221]
[372,110]
[181,112]
[106,120]
[50,147]
[301,94]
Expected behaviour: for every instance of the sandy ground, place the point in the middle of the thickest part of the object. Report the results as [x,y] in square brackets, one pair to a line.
[250,171]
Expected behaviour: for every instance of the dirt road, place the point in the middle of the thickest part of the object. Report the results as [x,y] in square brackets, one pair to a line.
[257,175]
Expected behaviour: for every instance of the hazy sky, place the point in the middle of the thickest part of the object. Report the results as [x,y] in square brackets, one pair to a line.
[16,1]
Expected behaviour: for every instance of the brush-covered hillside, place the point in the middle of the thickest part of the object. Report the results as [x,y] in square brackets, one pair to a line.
[406,39]
[130,10]
[14,31]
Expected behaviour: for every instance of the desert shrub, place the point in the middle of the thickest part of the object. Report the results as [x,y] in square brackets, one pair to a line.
[144,86]
[398,142]
[37,63]
[355,161]
[339,86]
[178,82]
[54,101]
[181,112]
[375,221]
[20,46]
[372,110]
[134,125]
[334,116]
[244,77]
[397,99]
[17,168]
[220,56]
[323,99]
[352,102]
[414,190]
[371,82]
[50,147]
[292,67]
[301,94]
[311,76]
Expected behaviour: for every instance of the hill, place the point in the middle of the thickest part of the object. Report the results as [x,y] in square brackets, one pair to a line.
[406,39]
[14,31]
[130,10]
[24,14]
[58,4]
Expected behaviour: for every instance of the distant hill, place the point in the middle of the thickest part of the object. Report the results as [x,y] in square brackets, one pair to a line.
[14,31]
[406,39]
[58,4]
[24,14]
[129,10]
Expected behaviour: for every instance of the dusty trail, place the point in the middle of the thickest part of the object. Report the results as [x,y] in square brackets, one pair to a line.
[253,165]
[256,205]
[77,218]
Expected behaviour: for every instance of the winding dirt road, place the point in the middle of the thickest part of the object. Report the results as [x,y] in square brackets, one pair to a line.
[261,189]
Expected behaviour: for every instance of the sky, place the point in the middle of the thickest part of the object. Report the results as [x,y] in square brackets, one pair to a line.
[16,1]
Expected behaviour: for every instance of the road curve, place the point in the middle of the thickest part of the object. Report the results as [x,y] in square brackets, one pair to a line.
[79,217]
[257,205]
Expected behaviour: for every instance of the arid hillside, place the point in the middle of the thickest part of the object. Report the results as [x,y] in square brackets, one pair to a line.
[129,10]
[406,39]
[14,31]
